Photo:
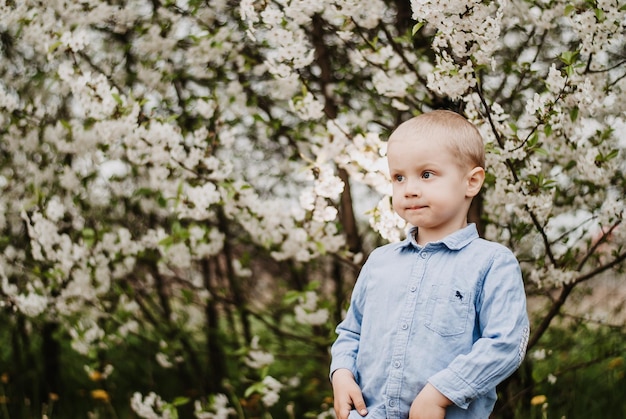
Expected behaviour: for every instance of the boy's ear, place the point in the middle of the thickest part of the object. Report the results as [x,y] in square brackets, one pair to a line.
[475,180]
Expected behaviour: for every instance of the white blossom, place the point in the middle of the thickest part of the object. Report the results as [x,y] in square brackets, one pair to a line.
[327,184]
[257,358]
[55,209]
[307,108]
[31,304]
[392,86]
[555,81]
[307,311]
[219,408]
[387,222]
[85,336]
[314,318]
[8,100]
[75,40]
[150,407]
[163,360]
[539,354]
[240,270]
[271,393]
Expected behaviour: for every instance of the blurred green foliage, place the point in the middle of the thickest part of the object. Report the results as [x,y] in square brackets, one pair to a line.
[577,371]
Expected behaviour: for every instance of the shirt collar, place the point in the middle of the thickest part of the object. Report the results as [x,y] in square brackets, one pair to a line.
[454,241]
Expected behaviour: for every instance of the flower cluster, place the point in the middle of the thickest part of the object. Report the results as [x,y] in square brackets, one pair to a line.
[466,37]
[150,407]
[219,409]
[307,312]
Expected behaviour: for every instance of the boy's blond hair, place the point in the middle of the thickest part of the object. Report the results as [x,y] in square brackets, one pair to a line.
[461,136]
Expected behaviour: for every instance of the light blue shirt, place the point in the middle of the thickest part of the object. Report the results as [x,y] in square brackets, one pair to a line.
[452,313]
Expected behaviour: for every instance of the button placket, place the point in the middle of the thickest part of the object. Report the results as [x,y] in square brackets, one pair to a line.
[394,387]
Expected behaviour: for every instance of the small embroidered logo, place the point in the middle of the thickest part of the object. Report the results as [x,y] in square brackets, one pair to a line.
[459,295]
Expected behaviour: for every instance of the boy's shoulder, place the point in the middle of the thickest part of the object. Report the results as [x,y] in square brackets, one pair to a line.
[486,252]
[490,245]
[389,247]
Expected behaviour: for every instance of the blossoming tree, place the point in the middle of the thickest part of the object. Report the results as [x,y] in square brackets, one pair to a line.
[195,183]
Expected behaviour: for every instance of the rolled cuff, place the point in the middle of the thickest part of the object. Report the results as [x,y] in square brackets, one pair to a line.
[454,388]
[344,361]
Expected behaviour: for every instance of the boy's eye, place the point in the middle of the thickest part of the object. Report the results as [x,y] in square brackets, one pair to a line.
[426,175]
[398,178]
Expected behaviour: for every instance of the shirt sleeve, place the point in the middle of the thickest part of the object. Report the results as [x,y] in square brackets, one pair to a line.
[345,348]
[503,335]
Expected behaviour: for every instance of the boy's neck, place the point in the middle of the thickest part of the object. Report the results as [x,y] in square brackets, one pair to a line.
[425,236]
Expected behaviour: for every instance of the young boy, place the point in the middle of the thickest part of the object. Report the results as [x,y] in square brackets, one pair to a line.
[437,321]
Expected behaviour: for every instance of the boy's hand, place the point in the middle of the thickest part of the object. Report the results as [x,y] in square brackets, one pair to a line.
[347,394]
[429,404]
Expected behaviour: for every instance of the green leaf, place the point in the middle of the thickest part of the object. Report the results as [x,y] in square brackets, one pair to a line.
[569,57]
[599,14]
[179,401]
[313,285]
[416,28]
[291,297]
[166,242]
[173,412]
[89,235]
[547,129]
[65,124]
[54,46]
[611,155]
[254,388]
[118,99]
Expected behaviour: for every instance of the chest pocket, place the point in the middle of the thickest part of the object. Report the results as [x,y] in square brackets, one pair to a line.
[447,310]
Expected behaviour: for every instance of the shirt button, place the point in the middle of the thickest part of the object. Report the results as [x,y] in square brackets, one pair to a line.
[423,255]
[404,326]
[392,403]
[413,288]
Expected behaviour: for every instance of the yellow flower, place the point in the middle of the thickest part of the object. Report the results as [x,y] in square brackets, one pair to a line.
[95,375]
[100,394]
[615,363]
[538,400]
[4,378]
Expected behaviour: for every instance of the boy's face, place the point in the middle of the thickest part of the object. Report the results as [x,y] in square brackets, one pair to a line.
[430,189]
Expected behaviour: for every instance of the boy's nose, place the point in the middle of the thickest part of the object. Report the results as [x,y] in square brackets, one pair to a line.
[413,188]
